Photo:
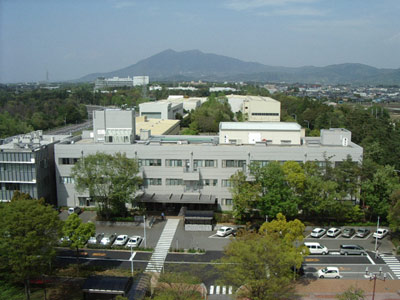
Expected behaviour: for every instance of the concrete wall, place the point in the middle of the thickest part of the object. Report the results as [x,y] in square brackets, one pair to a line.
[258,110]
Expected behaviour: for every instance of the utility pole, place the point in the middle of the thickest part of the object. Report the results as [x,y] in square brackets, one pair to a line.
[376,239]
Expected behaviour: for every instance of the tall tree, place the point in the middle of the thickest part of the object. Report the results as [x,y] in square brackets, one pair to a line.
[260,265]
[77,232]
[394,212]
[110,179]
[29,232]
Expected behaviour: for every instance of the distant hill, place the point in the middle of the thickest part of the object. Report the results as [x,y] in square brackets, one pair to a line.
[171,65]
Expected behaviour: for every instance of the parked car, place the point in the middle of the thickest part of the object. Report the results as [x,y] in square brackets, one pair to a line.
[380,233]
[333,232]
[316,248]
[329,272]
[76,210]
[352,249]
[362,232]
[134,241]
[225,230]
[348,232]
[121,240]
[318,232]
[96,239]
[64,241]
[107,240]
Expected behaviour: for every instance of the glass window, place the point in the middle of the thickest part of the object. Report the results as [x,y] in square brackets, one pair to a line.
[151,181]
[150,162]
[233,163]
[226,183]
[174,181]
[173,163]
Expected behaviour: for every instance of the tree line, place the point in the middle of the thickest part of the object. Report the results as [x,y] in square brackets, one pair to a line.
[347,192]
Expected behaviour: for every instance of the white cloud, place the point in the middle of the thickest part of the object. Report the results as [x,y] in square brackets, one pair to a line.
[293,12]
[254,4]
[394,39]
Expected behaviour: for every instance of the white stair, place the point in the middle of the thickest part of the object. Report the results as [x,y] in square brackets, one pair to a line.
[157,260]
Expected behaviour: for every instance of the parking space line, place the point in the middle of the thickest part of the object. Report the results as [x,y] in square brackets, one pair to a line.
[369,236]
[308,236]
[337,237]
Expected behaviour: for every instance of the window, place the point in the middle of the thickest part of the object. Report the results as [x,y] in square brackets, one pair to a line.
[264,114]
[228,202]
[173,163]
[66,179]
[210,182]
[261,163]
[173,181]
[204,163]
[12,186]
[233,163]
[150,162]
[151,181]
[286,141]
[67,161]
[226,183]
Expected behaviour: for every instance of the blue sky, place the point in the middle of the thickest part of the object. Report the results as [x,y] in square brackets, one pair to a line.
[76,37]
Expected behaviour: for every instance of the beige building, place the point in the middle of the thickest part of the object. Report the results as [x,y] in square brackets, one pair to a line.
[268,133]
[257,108]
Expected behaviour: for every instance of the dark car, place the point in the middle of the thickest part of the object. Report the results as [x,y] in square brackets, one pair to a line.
[362,232]
[348,232]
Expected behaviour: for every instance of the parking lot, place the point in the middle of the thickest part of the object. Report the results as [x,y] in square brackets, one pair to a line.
[333,243]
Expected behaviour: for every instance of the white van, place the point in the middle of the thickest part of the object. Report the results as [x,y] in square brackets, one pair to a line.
[316,248]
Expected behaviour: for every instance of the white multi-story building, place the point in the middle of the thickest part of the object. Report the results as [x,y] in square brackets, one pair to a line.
[194,171]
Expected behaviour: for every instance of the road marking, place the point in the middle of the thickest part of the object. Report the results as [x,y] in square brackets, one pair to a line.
[211,289]
[99,254]
[311,259]
[132,256]
[370,259]
[307,236]
[337,237]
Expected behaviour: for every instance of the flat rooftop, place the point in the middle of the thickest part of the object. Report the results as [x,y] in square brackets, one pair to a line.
[287,126]
[157,126]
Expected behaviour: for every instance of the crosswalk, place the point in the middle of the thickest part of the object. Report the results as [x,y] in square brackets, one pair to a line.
[157,260]
[220,290]
[393,263]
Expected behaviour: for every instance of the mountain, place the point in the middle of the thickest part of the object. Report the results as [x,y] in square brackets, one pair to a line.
[171,65]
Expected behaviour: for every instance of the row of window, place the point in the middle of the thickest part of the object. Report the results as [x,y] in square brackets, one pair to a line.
[20,156]
[179,181]
[67,160]
[264,114]
[66,179]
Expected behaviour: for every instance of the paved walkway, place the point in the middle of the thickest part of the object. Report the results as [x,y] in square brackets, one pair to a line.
[329,288]
[157,260]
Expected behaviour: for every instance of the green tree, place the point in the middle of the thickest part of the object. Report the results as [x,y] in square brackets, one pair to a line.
[245,196]
[276,195]
[260,265]
[110,179]
[352,293]
[29,232]
[78,233]
[376,192]
[394,212]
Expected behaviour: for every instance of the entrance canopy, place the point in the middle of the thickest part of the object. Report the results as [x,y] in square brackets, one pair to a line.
[178,198]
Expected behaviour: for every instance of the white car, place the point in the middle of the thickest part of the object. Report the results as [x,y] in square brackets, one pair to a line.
[134,241]
[329,272]
[121,240]
[380,233]
[333,232]
[318,232]
[107,240]
[224,231]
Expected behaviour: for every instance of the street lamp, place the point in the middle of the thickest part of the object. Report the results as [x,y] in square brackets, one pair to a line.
[144,231]
[376,239]
[374,277]
[295,117]
[308,123]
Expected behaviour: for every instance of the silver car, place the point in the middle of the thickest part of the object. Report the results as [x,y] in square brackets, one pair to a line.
[318,232]
[134,241]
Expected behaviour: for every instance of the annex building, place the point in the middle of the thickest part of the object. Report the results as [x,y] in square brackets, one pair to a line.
[193,171]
